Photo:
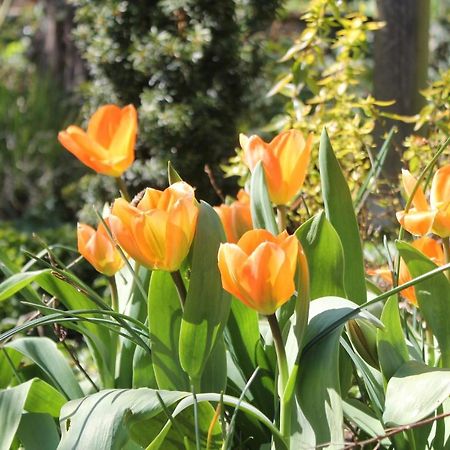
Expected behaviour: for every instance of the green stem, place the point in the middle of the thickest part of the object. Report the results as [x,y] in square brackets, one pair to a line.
[446,243]
[123,189]
[285,410]
[114,294]
[181,288]
[282,217]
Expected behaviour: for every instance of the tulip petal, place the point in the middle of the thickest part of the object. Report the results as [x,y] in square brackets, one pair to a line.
[419,201]
[230,257]
[121,149]
[416,222]
[440,187]
[253,238]
[103,124]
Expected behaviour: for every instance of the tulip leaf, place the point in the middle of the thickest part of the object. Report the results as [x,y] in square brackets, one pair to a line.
[323,250]
[244,343]
[134,304]
[207,304]
[261,207]
[98,338]
[35,396]
[164,318]
[433,296]
[45,353]
[414,392]
[339,211]
[172,174]
[391,344]
[38,431]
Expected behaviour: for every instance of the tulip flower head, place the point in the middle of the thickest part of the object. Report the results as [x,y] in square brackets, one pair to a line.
[236,218]
[108,144]
[430,248]
[285,160]
[425,218]
[159,230]
[97,248]
[259,270]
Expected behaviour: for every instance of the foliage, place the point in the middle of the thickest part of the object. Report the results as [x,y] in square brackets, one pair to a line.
[172,358]
[326,84]
[432,122]
[189,66]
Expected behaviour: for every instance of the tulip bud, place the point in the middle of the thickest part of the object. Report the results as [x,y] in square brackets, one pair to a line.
[108,145]
[259,270]
[97,248]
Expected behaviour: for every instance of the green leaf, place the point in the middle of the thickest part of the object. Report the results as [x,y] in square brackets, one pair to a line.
[414,392]
[38,432]
[339,211]
[391,344]
[143,371]
[7,362]
[244,343]
[207,304]
[320,415]
[261,207]
[134,305]
[214,376]
[172,174]
[164,315]
[102,421]
[35,396]
[17,282]
[44,353]
[323,250]
[433,296]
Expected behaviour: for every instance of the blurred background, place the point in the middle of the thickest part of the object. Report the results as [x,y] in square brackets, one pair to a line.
[200,72]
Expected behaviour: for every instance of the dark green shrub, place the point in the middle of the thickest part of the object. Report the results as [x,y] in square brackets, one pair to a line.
[189,67]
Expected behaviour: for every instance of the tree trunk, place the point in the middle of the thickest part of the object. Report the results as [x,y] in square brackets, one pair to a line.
[401,65]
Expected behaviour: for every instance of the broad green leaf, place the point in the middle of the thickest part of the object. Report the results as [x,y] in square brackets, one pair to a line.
[323,250]
[143,371]
[102,421]
[38,432]
[339,211]
[433,296]
[372,379]
[134,305]
[391,344]
[261,207]
[34,396]
[164,315]
[244,342]
[359,413]
[214,376]
[7,362]
[414,392]
[172,174]
[44,353]
[207,304]
[319,414]
[97,337]
[18,281]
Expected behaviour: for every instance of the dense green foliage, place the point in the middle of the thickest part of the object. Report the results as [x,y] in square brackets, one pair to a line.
[189,66]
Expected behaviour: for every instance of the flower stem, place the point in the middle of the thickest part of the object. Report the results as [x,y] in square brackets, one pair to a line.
[114,294]
[181,288]
[282,217]
[283,371]
[446,243]
[123,189]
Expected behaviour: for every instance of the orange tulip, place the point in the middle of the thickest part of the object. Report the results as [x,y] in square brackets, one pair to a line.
[259,270]
[423,218]
[108,145]
[159,230]
[236,218]
[97,248]
[430,248]
[285,160]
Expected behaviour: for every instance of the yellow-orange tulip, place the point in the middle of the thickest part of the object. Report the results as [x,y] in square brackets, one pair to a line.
[159,230]
[424,218]
[97,248]
[285,160]
[259,270]
[236,218]
[429,247]
[108,144]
